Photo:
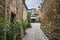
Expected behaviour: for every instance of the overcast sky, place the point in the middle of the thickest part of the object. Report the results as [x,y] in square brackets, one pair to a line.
[32,3]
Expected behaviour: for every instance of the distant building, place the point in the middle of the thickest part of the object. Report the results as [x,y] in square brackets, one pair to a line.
[39,11]
[35,14]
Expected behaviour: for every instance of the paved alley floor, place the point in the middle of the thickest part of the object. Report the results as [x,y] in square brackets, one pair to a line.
[35,33]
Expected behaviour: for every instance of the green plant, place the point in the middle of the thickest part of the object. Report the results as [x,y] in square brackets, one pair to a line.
[2,28]
[24,25]
[29,15]
[2,37]
[13,30]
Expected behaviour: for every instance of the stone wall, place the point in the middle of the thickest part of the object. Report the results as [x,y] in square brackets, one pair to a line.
[25,13]
[2,8]
[13,6]
[19,15]
[7,7]
[51,20]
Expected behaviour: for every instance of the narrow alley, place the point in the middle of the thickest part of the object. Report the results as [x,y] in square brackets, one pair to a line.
[35,33]
[29,19]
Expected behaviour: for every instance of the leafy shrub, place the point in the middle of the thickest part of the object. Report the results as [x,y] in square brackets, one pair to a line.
[2,24]
[2,37]
[29,21]
[2,28]
[24,25]
[13,30]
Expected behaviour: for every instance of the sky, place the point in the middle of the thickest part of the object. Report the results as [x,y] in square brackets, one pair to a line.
[33,3]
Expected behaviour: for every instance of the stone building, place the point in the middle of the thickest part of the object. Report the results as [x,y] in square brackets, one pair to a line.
[25,13]
[35,11]
[12,10]
[4,8]
[19,10]
[39,11]
[16,10]
[35,15]
[50,18]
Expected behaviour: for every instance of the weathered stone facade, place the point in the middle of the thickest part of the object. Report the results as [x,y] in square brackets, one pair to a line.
[50,19]
[25,13]
[2,8]
[12,10]
[19,15]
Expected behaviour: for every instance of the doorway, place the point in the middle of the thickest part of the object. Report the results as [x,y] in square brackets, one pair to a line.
[12,17]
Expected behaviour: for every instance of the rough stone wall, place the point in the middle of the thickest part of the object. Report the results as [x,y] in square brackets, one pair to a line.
[2,8]
[51,20]
[5,8]
[13,6]
[8,6]
[24,13]
[57,21]
[19,15]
